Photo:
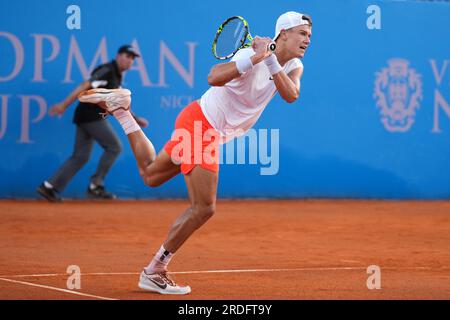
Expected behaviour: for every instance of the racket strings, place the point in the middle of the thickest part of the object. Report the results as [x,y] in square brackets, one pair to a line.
[231,38]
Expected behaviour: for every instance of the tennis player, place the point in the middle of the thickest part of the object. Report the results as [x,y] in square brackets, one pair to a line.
[240,90]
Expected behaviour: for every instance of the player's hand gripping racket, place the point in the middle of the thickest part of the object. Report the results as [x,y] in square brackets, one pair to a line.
[232,36]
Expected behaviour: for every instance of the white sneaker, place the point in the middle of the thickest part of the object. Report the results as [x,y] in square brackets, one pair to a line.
[114,99]
[161,283]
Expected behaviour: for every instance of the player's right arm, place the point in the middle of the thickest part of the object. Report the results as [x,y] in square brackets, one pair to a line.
[223,73]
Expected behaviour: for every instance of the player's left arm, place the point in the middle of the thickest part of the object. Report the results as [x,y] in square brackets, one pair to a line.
[288,85]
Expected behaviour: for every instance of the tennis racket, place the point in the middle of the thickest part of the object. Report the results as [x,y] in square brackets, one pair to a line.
[232,36]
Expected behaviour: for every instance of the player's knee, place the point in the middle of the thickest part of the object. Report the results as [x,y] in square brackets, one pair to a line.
[154,183]
[204,212]
[151,181]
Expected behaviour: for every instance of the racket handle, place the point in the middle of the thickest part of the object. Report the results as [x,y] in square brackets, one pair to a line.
[272,46]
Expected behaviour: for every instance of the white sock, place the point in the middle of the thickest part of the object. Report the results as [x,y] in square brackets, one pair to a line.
[127,121]
[48,185]
[159,262]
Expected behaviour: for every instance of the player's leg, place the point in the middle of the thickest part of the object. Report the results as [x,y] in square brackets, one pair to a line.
[154,169]
[201,176]
[202,188]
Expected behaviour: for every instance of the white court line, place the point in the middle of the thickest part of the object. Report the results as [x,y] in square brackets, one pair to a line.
[266,270]
[56,289]
[227,271]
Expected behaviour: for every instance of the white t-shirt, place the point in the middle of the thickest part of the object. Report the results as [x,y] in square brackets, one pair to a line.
[235,107]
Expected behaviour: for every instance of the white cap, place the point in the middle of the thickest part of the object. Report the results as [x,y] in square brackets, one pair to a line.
[289,20]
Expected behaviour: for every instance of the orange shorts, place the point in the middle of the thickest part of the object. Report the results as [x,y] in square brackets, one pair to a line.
[194,142]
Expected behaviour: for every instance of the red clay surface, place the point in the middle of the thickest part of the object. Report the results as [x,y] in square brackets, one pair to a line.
[329,244]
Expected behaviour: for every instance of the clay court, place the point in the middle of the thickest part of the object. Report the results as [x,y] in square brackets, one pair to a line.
[293,249]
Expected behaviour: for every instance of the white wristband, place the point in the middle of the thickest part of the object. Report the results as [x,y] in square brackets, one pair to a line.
[243,65]
[273,65]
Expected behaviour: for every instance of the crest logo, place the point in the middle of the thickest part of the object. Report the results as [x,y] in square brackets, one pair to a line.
[398,90]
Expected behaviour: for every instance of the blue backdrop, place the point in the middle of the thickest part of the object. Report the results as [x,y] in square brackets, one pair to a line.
[373,119]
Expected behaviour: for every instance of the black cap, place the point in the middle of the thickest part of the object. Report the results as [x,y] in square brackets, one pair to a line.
[128,49]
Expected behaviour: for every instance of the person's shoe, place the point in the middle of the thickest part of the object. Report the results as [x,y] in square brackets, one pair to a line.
[49,193]
[161,283]
[99,192]
[114,99]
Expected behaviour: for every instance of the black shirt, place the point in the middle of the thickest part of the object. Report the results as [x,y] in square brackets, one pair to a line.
[105,76]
